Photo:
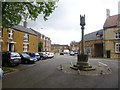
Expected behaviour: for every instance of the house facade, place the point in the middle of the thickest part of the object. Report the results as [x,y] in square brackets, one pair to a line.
[57,48]
[112,37]
[19,39]
[45,40]
[47,44]
[93,44]
[74,46]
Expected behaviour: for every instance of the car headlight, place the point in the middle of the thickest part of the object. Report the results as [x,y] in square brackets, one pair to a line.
[31,59]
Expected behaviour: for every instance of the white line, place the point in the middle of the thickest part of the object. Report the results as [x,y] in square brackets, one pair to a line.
[102,63]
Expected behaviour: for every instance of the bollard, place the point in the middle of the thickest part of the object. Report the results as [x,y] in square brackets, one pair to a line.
[78,71]
[101,72]
[61,68]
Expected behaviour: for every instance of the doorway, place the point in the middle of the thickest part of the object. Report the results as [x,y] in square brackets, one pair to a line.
[108,54]
[10,47]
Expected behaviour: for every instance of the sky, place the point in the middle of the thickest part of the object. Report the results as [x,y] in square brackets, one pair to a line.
[63,25]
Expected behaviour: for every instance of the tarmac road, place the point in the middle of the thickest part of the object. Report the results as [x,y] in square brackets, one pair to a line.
[44,74]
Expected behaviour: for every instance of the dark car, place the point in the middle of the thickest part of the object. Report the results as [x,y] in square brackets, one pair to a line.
[10,58]
[72,53]
[34,55]
[43,55]
[61,53]
[25,58]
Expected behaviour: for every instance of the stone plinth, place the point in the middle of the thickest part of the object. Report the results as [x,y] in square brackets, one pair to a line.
[82,63]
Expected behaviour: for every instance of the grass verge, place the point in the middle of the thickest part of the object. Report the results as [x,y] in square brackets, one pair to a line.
[7,70]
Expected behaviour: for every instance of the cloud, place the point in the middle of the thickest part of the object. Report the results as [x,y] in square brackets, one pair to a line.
[63,25]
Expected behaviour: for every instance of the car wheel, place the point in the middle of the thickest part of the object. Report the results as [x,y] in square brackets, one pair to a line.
[26,62]
[41,58]
[17,64]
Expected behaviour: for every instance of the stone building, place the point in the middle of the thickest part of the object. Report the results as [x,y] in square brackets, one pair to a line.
[19,39]
[45,40]
[74,46]
[57,48]
[93,43]
[112,37]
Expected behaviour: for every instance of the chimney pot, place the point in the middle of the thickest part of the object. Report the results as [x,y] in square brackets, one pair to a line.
[119,14]
[119,7]
[25,24]
[107,13]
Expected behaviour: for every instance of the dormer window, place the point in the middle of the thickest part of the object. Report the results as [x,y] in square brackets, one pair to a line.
[26,37]
[99,35]
[10,33]
[117,35]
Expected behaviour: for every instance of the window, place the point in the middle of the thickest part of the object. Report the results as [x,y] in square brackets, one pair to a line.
[10,34]
[25,47]
[88,50]
[26,37]
[117,47]
[117,35]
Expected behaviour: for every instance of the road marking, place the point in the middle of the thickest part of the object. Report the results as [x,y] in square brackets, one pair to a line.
[102,63]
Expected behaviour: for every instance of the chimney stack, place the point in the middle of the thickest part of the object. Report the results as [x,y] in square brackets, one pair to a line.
[25,24]
[119,14]
[119,7]
[107,13]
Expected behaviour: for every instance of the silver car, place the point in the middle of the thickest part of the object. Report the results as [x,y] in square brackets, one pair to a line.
[1,73]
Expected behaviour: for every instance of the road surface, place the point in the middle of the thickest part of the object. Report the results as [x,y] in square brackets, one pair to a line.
[45,74]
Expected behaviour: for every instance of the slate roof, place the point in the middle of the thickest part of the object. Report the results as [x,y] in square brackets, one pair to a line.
[111,21]
[38,33]
[23,29]
[59,45]
[93,35]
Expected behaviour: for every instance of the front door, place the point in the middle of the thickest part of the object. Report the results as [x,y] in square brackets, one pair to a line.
[11,47]
[108,54]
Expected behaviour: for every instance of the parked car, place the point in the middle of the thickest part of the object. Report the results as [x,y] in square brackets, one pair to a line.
[72,53]
[47,54]
[1,73]
[50,55]
[76,52]
[61,53]
[34,55]
[10,58]
[43,55]
[25,58]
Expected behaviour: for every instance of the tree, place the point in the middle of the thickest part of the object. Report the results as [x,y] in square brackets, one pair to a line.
[14,12]
[40,46]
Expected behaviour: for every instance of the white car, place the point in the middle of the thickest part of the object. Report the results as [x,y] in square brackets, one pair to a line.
[72,53]
[50,54]
[1,73]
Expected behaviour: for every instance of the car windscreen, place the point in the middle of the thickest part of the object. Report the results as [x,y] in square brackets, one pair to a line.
[37,54]
[25,55]
[14,54]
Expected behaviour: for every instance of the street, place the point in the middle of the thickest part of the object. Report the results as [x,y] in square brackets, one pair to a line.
[45,74]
